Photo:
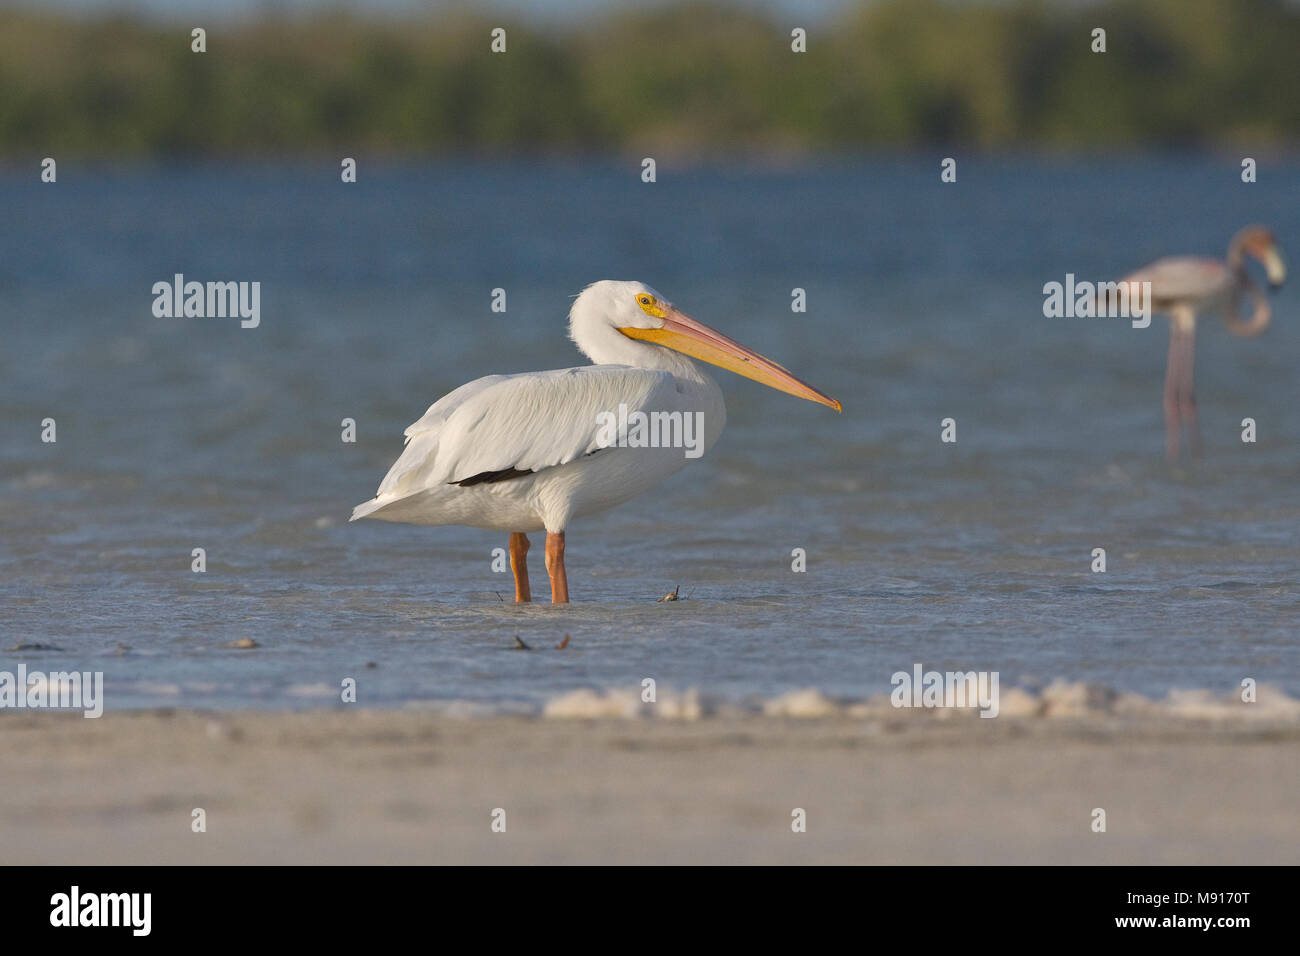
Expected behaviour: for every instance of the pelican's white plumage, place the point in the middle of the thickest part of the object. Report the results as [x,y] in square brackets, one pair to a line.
[540,422]
[524,452]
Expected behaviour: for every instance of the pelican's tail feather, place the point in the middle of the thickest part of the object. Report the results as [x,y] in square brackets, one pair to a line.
[366,508]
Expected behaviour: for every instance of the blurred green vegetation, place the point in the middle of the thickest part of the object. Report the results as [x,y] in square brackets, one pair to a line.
[685,79]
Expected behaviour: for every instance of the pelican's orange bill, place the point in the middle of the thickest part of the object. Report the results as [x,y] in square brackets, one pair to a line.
[683,334]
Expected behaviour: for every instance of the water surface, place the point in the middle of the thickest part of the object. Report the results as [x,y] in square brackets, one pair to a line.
[924,302]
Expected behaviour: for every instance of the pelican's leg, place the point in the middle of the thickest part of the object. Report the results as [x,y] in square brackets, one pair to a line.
[555,567]
[519,565]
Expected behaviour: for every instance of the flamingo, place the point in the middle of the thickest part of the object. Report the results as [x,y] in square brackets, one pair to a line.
[1185,286]
[535,450]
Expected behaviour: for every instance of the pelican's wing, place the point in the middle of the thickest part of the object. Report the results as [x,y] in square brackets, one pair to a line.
[1182,279]
[507,425]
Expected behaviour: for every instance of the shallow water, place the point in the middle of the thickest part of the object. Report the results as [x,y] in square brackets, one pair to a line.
[924,301]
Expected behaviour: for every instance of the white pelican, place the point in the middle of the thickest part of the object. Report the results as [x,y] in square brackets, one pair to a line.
[533,451]
[1186,285]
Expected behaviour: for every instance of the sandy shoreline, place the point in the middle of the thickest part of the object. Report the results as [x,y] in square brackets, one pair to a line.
[369,786]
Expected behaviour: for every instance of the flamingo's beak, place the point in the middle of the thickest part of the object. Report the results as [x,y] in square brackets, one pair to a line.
[1274,266]
[683,334]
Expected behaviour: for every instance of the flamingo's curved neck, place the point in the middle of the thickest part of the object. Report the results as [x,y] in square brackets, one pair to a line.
[1260,315]
[1237,256]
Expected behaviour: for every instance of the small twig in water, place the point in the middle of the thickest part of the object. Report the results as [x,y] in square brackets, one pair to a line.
[563,644]
[520,645]
[672,596]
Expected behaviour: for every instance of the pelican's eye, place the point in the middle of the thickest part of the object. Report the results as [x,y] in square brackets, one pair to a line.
[648,305]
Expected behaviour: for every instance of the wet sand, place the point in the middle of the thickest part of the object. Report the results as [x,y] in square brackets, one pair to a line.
[370,786]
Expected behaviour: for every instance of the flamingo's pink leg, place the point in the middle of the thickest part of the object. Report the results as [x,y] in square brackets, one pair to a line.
[1172,426]
[1180,393]
[1187,391]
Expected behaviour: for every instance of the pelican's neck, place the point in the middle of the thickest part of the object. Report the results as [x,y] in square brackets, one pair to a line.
[675,363]
[605,345]
[609,346]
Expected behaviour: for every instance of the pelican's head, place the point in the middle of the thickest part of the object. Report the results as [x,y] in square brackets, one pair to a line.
[1259,243]
[637,313]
